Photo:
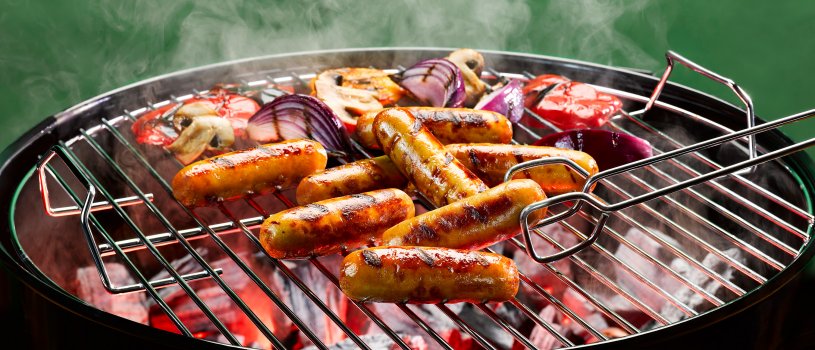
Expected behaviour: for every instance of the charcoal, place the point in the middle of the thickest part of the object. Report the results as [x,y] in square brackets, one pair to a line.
[89,288]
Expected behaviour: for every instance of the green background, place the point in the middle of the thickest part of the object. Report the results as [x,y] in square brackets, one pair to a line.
[56,54]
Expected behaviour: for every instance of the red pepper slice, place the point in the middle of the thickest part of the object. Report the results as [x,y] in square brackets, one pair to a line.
[150,129]
[569,104]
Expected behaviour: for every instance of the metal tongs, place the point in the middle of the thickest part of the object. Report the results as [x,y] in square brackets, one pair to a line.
[606,208]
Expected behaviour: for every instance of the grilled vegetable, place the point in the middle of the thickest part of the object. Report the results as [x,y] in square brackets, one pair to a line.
[470,63]
[331,225]
[356,177]
[471,223]
[350,92]
[422,158]
[490,162]
[424,275]
[569,104]
[449,125]
[258,170]
[200,129]
[159,128]
[507,100]
[611,149]
[436,82]
[298,116]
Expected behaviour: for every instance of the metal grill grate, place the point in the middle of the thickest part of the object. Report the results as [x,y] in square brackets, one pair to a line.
[705,221]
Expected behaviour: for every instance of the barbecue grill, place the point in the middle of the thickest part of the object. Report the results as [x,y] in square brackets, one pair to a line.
[695,236]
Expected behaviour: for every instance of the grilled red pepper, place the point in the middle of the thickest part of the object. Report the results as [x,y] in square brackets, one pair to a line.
[569,104]
[152,129]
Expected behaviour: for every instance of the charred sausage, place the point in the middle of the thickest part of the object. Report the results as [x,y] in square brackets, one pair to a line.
[329,226]
[471,223]
[449,125]
[356,177]
[424,275]
[490,162]
[422,159]
[252,171]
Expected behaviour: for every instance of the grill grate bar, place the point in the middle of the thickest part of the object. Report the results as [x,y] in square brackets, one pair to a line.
[675,275]
[630,270]
[605,310]
[166,222]
[297,281]
[699,218]
[507,327]
[705,245]
[91,180]
[541,291]
[330,276]
[700,157]
[540,322]
[129,263]
[256,279]
[424,326]
[463,325]
[717,186]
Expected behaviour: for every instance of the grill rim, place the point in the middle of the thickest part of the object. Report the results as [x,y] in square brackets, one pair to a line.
[18,158]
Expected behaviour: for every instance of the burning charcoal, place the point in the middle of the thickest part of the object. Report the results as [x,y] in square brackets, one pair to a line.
[541,337]
[645,266]
[379,342]
[435,318]
[89,288]
[222,305]
[486,327]
[537,273]
[317,320]
[583,308]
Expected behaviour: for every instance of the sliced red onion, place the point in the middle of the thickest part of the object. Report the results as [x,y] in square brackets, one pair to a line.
[298,116]
[608,148]
[508,100]
[436,82]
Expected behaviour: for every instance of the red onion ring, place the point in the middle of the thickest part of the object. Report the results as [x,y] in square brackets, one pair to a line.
[436,82]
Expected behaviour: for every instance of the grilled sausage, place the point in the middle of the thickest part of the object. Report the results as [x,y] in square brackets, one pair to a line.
[329,226]
[449,125]
[422,159]
[356,177]
[425,275]
[471,223]
[490,162]
[252,171]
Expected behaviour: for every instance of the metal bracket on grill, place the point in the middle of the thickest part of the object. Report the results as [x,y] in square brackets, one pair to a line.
[585,196]
[87,207]
[673,57]
[44,169]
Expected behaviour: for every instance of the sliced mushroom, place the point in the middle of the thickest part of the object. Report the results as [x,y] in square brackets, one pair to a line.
[471,64]
[184,116]
[202,133]
[350,92]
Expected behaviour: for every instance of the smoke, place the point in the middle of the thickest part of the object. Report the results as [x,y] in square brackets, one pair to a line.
[592,30]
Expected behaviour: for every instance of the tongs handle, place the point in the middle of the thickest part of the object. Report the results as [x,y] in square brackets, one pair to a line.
[673,57]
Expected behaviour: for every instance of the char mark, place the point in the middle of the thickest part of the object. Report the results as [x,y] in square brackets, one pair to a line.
[371,258]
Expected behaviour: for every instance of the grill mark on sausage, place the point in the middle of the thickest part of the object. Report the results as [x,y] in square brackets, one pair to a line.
[416,127]
[519,158]
[365,197]
[371,258]
[426,258]
[571,175]
[425,232]
[317,212]
[481,260]
[477,167]
[222,162]
[472,212]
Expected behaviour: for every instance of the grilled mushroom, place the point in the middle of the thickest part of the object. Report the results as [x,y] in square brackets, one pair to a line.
[471,64]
